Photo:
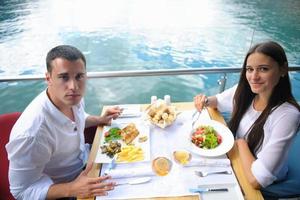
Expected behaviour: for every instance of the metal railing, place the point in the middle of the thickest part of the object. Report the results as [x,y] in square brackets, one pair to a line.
[141,73]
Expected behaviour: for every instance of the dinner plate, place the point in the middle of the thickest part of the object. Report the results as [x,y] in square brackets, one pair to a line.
[223,148]
[143,129]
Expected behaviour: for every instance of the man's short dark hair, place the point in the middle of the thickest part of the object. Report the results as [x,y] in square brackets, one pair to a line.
[63,51]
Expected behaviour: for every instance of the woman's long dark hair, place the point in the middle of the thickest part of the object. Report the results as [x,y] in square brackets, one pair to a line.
[243,96]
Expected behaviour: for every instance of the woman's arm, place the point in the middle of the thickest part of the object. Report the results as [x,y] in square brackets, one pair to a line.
[279,131]
[247,159]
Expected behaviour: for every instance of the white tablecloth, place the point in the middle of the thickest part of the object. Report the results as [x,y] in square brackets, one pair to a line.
[164,142]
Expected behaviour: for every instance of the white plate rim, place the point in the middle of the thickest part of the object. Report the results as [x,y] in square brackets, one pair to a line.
[223,148]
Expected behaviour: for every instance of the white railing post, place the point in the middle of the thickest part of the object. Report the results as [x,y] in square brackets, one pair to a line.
[222,82]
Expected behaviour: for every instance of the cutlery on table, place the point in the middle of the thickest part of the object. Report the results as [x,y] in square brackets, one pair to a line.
[200,190]
[206,173]
[111,165]
[135,181]
[197,114]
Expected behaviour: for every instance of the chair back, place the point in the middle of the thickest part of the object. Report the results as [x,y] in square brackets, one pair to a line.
[290,187]
[7,121]
[89,134]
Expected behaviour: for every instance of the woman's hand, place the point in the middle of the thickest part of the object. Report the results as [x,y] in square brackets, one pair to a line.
[200,101]
[84,186]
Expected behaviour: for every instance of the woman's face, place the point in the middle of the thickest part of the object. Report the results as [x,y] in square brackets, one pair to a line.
[263,73]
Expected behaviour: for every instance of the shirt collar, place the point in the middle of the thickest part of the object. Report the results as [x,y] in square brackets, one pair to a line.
[55,112]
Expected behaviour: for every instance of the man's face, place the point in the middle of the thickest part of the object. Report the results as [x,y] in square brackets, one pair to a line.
[66,83]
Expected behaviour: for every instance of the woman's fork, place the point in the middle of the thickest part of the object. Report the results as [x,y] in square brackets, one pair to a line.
[203,173]
[195,118]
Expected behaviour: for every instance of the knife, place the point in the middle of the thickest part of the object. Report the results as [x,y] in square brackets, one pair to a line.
[200,190]
[135,181]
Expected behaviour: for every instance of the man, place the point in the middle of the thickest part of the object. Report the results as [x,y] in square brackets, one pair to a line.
[46,148]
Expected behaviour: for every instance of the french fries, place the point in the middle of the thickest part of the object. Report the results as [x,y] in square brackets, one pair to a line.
[130,153]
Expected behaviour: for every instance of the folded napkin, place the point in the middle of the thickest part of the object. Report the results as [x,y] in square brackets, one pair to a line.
[224,162]
[130,172]
[130,110]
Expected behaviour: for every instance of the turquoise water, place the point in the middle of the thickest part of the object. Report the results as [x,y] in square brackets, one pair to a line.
[140,34]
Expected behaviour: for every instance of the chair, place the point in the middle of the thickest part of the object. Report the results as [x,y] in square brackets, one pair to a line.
[6,123]
[290,187]
[89,134]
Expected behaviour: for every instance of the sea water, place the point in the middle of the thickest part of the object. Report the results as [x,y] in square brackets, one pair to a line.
[140,35]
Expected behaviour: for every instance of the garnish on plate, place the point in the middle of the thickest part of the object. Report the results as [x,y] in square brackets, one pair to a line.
[143,138]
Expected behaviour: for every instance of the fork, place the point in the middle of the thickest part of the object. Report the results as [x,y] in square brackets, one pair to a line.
[195,119]
[203,174]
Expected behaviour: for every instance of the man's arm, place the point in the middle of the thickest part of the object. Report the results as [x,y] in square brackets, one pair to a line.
[27,160]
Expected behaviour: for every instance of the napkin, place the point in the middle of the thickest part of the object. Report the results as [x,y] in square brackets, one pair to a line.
[224,162]
[130,172]
[130,110]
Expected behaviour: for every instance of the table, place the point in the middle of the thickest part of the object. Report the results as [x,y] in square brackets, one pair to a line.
[248,191]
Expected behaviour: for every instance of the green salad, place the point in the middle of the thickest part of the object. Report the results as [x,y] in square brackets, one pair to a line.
[206,137]
[113,134]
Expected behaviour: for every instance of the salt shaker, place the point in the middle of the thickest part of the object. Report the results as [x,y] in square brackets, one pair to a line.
[153,99]
[167,99]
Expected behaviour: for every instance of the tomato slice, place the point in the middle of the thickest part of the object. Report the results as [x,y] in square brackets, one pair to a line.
[106,134]
[219,139]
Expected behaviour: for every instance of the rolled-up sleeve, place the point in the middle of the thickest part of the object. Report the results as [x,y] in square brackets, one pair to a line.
[225,99]
[262,174]
[28,157]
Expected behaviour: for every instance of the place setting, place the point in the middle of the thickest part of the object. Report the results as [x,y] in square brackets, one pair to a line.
[162,145]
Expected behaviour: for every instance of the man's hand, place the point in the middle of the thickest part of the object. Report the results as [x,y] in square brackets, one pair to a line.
[84,186]
[111,113]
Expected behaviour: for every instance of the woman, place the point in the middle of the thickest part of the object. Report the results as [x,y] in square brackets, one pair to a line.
[265,115]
